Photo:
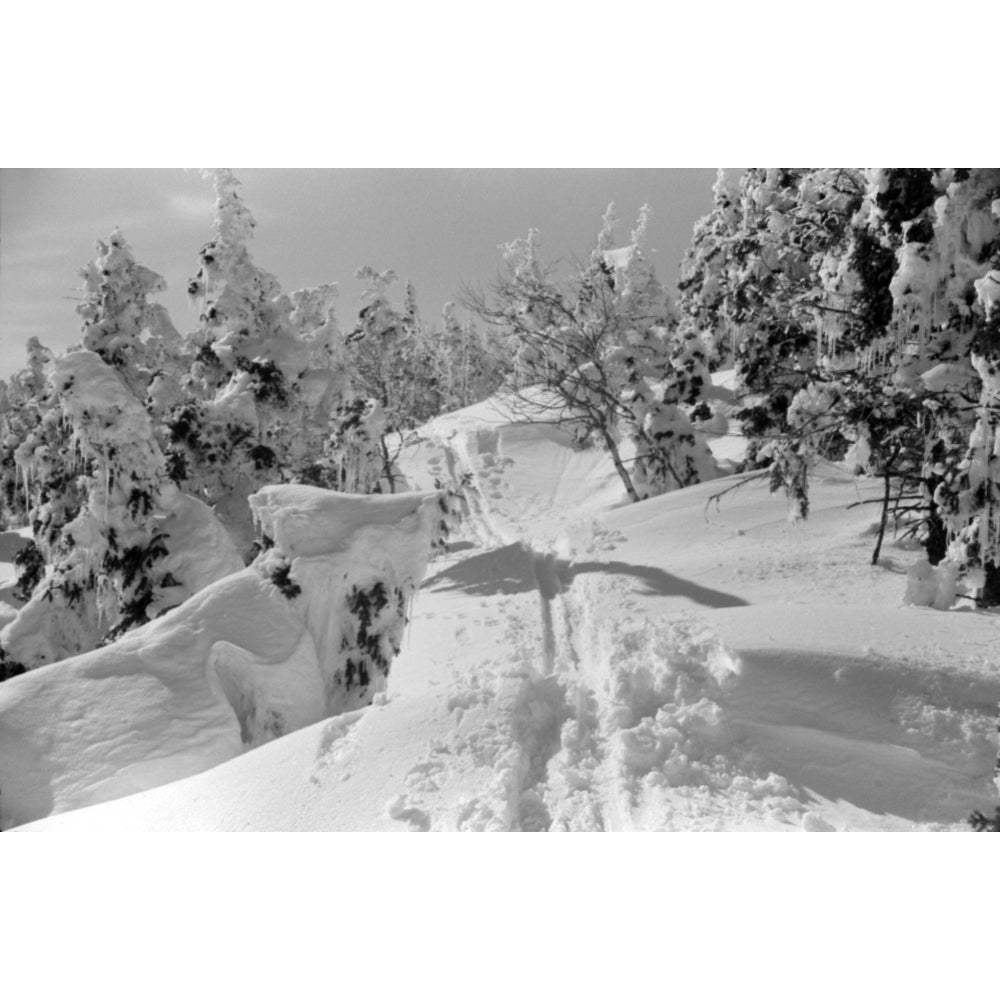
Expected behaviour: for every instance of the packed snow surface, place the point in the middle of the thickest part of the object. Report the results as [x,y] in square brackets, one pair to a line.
[579,663]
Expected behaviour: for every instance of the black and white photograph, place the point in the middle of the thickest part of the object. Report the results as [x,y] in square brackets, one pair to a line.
[617,534]
[410,424]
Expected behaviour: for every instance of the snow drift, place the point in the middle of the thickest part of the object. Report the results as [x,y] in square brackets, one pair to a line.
[304,633]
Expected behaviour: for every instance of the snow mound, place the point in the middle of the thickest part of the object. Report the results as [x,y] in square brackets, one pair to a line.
[251,657]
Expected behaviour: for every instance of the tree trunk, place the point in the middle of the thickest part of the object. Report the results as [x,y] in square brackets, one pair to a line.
[990,597]
[936,545]
[387,465]
[612,447]
[886,495]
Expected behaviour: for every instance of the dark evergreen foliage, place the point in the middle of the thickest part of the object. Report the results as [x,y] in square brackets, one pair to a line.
[30,564]
[983,824]
[366,606]
[281,578]
[909,192]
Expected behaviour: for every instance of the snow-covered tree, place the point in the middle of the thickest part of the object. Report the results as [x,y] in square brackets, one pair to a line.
[396,362]
[380,342]
[596,353]
[858,309]
[750,283]
[120,324]
[906,338]
[24,404]
[475,365]
[37,463]
[107,565]
[268,390]
[947,326]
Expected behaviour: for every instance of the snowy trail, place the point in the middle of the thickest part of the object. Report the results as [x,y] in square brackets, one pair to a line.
[614,726]
[563,758]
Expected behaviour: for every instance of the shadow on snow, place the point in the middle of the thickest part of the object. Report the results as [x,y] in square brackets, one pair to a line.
[513,569]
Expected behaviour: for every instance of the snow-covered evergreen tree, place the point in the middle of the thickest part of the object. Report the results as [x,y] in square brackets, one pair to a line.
[910,344]
[475,364]
[38,463]
[858,309]
[106,563]
[267,380]
[24,405]
[947,327]
[120,324]
[750,283]
[398,363]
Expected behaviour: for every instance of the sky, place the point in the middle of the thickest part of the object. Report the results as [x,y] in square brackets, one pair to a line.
[439,228]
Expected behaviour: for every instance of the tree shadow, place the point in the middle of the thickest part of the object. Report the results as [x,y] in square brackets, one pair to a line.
[516,569]
[892,565]
[660,583]
[507,570]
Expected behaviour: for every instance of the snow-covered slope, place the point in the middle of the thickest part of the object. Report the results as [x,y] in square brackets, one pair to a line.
[577,663]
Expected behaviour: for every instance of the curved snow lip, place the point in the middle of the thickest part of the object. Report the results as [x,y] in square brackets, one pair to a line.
[309,521]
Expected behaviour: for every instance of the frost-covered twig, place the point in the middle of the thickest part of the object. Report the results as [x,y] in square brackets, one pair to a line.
[749,478]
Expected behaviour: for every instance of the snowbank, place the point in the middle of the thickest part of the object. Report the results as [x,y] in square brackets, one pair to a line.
[264,651]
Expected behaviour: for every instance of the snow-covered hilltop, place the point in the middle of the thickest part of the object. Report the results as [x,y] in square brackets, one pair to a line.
[534,576]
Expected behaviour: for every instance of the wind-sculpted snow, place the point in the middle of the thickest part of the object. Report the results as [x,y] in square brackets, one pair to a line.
[358,561]
[251,657]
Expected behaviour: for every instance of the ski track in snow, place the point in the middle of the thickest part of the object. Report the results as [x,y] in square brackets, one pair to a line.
[573,748]
[552,748]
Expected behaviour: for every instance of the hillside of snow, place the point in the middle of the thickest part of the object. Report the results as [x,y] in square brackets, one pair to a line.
[578,663]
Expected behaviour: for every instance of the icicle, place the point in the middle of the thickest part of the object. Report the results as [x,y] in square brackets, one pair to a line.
[25,470]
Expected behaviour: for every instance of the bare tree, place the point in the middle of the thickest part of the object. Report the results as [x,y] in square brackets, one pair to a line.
[594,353]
